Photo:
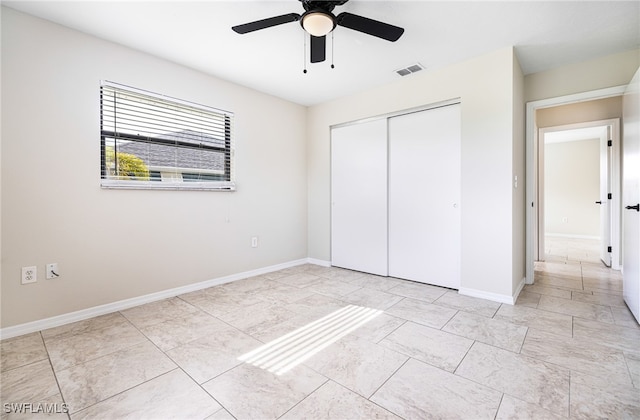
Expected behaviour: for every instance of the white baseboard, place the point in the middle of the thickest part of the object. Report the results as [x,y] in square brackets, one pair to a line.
[120,305]
[322,263]
[519,289]
[496,297]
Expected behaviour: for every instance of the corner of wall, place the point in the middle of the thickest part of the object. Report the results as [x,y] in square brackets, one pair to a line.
[518,220]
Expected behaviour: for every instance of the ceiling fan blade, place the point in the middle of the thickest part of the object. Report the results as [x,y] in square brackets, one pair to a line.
[369,26]
[318,48]
[266,23]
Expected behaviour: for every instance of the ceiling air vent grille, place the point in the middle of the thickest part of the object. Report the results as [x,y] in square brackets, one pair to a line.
[409,70]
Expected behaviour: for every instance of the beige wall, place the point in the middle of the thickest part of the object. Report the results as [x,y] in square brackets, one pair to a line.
[603,72]
[572,185]
[116,244]
[490,90]
[597,110]
[519,170]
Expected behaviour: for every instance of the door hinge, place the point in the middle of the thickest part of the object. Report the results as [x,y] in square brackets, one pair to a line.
[608,249]
[610,143]
[609,196]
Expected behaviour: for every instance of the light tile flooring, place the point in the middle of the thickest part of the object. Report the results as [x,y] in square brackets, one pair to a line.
[568,348]
[561,249]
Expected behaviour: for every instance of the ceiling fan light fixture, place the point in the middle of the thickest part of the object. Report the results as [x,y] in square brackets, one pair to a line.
[318,23]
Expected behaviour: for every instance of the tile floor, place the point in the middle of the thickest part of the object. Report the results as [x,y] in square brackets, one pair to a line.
[568,348]
[562,249]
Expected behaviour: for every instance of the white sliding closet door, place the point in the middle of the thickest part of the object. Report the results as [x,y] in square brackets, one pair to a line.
[359,197]
[424,196]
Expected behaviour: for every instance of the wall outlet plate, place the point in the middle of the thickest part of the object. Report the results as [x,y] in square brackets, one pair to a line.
[29,274]
[52,271]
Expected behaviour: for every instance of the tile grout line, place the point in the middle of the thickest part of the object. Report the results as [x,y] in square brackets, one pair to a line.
[394,330]
[308,395]
[462,360]
[115,351]
[125,390]
[391,376]
[55,376]
[499,405]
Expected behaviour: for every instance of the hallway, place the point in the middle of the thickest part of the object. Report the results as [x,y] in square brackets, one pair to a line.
[573,271]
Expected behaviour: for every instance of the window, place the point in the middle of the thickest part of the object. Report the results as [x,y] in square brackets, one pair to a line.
[155,142]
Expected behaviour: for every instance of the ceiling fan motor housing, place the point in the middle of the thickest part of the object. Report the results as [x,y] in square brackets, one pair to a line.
[326,6]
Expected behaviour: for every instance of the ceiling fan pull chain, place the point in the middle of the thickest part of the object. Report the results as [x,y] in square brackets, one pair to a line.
[332,35]
[304,52]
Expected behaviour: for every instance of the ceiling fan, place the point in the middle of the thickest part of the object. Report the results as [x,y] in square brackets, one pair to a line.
[318,20]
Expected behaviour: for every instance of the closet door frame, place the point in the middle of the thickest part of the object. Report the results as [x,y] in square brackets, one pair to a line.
[385,117]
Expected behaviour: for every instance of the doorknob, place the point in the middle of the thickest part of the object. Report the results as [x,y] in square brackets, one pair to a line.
[598,202]
[636,207]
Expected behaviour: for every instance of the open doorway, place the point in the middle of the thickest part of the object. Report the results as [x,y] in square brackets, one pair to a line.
[578,193]
[532,148]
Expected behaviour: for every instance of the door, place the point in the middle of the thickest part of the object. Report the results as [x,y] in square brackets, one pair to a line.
[591,207]
[359,197]
[424,196]
[631,196]
[604,201]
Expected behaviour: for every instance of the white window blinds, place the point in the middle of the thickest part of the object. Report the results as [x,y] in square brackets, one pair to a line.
[154,141]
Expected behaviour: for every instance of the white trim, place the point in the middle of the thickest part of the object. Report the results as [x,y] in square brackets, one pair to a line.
[180,185]
[322,263]
[521,285]
[386,116]
[495,297]
[572,236]
[56,321]
[531,129]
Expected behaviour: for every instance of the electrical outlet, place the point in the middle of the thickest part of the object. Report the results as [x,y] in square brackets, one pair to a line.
[52,271]
[254,242]
[29,274]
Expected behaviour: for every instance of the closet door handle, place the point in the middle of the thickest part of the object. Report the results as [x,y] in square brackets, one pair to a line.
[636,207]
[598,202]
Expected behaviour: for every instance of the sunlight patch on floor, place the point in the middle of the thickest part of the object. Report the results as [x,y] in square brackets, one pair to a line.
[282,354]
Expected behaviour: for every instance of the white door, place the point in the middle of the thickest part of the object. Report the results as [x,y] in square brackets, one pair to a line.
[424,196]
[359,197]
[604,201]
[631,196]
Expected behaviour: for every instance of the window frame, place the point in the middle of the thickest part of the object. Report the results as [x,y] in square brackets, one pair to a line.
[228,184]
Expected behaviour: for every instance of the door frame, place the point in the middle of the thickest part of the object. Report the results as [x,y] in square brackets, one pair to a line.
[531,139]
[611,132]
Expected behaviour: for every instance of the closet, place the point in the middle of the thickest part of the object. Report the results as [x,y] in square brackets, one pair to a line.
[395,196]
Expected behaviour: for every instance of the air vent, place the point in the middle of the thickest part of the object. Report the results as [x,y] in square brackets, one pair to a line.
[411,69]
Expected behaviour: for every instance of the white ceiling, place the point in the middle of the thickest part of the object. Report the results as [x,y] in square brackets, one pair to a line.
[576,134]
[437,33]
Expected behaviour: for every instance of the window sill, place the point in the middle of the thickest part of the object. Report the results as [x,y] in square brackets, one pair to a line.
[155,185]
